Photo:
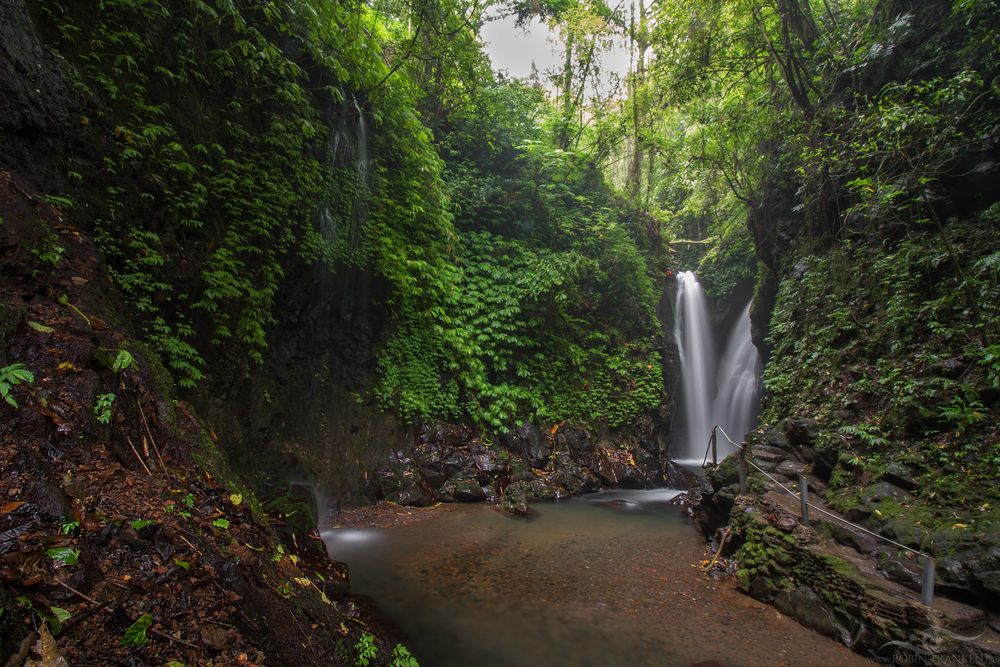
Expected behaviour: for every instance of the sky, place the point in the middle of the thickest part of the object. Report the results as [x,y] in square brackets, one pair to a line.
[512,49]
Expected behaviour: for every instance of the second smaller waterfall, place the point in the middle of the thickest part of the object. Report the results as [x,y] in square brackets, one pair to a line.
[738,380]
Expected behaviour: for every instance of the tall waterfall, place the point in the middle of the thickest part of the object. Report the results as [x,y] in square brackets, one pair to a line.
[697,355]
[728,398]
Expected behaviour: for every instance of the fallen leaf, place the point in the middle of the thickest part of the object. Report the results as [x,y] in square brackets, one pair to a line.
[39,327]
[47,650]
[10,507]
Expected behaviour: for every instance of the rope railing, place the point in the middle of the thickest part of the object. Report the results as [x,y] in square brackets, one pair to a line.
[927,587]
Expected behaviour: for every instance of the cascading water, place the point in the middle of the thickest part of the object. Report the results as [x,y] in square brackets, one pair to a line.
[738,381]
[694,345]
[728,398]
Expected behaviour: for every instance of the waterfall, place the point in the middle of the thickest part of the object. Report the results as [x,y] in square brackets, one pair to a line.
[364,149]
[697,355]
[735,406]
[728,398]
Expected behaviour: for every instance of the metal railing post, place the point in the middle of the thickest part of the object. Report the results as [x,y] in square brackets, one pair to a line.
[743,469]
[714,440]
[804,499]
[927,587]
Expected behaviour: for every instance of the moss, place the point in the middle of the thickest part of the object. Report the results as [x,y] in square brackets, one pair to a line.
[10,320]
[208,457]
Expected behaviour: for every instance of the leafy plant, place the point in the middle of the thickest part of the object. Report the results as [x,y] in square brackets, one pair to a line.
[11,376]
[139,524]
[102,408]
[867,433]
[137,633]
[70,526]
[123,360]
[365,650]
[401,657]
[64,555]
[222,523]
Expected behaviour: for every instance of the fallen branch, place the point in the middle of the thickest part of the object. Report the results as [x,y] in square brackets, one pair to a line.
[152,440]
[156,632]
[725,537]
[139,458]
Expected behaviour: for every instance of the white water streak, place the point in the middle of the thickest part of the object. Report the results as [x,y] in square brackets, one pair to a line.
[728,398]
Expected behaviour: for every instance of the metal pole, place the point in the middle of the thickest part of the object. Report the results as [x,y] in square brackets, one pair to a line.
[715,453]
[804,499]
[927,589]
[743,470]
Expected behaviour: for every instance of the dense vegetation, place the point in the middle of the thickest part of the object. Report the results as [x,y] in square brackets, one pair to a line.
[238,140]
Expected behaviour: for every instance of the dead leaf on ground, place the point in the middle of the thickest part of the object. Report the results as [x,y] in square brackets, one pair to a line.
[46,650]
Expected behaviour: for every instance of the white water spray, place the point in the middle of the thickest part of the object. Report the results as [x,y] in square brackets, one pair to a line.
[697,355]
[728,398]
[735,406]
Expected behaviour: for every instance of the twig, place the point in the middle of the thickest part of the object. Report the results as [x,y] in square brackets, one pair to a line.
[193,547]
[156,632]
[78,593]
[722,544]
[136,452]
[171,638]
[151,438]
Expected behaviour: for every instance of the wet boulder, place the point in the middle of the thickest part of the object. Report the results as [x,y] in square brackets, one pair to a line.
[47,497]
[462,489]
[791,469]
[545,488]
[872,497]
[404,486]
[514,499]
[678,477]
[577,442]
[529,443]
[573,477]
[805,606]
[973,572]
[899,475]
[801,432]
[616,470]
[483,461]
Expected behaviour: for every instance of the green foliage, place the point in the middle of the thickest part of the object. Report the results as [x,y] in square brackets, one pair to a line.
[401,657]
[64,555]
[123,360]
[70,526]
[221,523]
[102,408]
[139,524]
[11,376]
[241,140]
[137,633]
[895,360]
[365,650]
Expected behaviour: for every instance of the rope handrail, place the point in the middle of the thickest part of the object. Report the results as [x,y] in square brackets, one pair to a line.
[818,509]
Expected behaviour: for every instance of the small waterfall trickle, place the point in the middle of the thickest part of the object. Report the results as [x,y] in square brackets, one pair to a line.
[363,162]
[728,398]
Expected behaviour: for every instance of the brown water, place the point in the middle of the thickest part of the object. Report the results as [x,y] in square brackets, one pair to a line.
[582,583]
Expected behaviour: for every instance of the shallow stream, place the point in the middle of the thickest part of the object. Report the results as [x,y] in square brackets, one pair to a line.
[606,579]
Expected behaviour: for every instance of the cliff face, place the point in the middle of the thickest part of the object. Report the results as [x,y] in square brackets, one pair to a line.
[877,305]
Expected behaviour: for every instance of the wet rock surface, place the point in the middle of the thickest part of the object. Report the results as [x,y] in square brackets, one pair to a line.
[450,463]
